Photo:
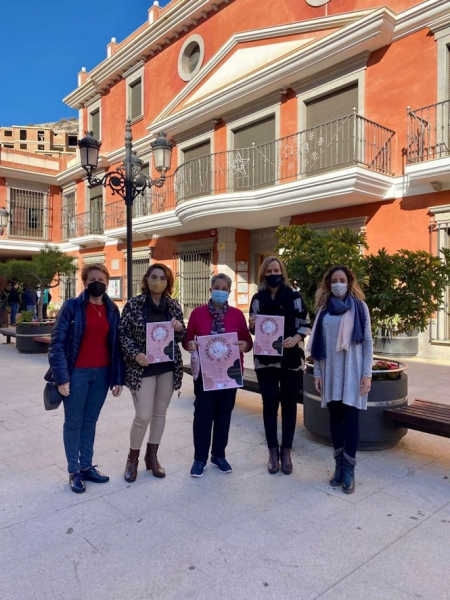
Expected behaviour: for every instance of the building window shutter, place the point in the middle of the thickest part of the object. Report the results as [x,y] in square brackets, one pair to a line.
[253,160]
[136,98]
[95,123]
[196,179]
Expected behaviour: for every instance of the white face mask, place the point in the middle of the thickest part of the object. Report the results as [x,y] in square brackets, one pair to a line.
[339,289]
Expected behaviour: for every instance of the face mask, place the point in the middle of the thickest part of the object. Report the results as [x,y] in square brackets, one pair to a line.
[219,296]
[157,286]
[339,289]
[96,288]
[274,281]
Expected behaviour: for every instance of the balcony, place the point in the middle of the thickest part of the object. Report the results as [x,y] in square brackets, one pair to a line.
[87,228]
[349,141]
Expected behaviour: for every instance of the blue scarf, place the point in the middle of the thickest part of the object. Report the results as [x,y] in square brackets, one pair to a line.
[338,307]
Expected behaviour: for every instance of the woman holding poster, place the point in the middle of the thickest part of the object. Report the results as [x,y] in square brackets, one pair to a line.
[151,382]
[277,306]
[212,414]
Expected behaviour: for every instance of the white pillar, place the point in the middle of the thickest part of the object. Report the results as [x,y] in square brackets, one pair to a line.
[226,257]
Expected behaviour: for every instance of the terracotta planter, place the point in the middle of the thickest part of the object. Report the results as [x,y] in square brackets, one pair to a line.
[376,432]
[25,334]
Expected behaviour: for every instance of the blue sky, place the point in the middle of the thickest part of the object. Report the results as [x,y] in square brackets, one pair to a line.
[43,46]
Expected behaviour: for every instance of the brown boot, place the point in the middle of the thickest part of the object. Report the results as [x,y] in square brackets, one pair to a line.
[286,463]
[151,461]
[274,461]
[132,466]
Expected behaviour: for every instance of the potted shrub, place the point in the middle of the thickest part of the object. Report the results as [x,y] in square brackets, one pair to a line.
[27,329]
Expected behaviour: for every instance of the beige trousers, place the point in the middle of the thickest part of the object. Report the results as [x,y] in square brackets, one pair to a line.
[151,403]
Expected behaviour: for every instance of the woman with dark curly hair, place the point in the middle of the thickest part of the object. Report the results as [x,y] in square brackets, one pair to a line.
[151,385]
[341,346]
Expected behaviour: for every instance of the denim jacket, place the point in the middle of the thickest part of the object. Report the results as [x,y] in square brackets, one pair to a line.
[66,340]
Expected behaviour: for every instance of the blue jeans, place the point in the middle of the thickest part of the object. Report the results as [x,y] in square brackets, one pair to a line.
[32,307]
[14,309]
[88,390]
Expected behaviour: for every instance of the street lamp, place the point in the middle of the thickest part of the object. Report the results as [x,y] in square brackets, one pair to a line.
[4,215]
[128,180]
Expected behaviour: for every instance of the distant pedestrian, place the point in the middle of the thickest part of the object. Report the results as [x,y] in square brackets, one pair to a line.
[212,414]
[45,302]
[13,300]
[151,385]
[30,299]
[85,361]
[341,346]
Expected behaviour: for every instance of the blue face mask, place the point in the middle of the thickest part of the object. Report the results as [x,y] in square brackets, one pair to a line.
[219,296]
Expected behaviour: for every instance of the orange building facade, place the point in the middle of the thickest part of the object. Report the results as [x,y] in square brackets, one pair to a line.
[306,111]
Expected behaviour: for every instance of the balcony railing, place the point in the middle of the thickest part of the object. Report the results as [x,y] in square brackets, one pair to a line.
[428,133]
[351,140]
[88,223]
[152,201]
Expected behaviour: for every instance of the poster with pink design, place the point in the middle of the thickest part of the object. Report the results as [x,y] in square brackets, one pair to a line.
[220,361]
[160,342]
[269,335]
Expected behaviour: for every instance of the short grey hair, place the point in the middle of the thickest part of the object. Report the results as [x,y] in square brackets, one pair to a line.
[226,278]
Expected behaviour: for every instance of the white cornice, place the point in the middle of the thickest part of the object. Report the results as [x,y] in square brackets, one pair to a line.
[417,17]
[22,174]
[369,33]
[138,48]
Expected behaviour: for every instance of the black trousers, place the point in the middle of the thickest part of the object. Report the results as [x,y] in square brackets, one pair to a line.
[211,408]
[279,386]
[344,426]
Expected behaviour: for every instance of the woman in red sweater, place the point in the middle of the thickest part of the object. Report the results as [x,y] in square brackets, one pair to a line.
[214,407]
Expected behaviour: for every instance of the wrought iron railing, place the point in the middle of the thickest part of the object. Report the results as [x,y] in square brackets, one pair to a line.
[428,132]
[88,223]
[351,140]
[151,201]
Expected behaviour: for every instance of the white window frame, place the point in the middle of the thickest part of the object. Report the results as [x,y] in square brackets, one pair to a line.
[131,76]
[92,106]
[182,71]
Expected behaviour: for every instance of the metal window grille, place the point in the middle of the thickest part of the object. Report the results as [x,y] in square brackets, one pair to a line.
[68,287]
[29,213]
[140,266]
[441,331]
[194,274]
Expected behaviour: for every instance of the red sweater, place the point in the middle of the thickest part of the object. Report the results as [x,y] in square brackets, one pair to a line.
[200,323]
[94,349]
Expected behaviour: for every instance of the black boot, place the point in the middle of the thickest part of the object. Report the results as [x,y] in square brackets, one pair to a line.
[336,480]
[151,461]
[274,460]
[286,462]
[348,475]
[131,466]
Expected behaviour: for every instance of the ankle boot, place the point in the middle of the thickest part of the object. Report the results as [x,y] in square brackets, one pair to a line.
[348,476]
[151,461]
[336,480]
[286,463]
[274,460]
[132,466]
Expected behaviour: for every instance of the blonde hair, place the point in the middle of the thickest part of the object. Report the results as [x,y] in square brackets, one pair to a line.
[324,290]
[262,285]
[91,267]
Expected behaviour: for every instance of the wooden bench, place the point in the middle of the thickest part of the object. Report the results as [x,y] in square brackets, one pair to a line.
[8,333]
[44,339]
[422,415]
[250,382]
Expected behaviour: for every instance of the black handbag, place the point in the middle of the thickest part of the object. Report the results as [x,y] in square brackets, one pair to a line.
[52,398]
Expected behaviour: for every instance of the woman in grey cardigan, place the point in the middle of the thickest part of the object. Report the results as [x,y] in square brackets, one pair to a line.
[341,346]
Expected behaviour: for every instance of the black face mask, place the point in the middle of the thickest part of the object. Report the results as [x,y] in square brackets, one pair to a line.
[274,281]
[96,288]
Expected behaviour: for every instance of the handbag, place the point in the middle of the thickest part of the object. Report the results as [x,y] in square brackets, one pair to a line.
[52,398]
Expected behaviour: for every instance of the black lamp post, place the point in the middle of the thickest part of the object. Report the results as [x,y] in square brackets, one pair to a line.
[128,180]
[4,216]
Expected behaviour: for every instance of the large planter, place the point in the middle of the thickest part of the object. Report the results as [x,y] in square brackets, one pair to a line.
[376,432]
[25,334]
[387,343]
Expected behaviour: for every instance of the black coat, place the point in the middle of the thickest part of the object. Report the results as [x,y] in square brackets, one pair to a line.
[66,340]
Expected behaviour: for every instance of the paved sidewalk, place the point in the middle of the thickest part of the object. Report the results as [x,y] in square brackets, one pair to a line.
[247,535]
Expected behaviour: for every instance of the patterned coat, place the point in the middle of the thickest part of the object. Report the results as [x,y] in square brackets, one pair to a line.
[132,332]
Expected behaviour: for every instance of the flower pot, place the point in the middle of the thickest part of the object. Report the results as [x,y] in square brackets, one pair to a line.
[395,344]
[376,432]
[25,334]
